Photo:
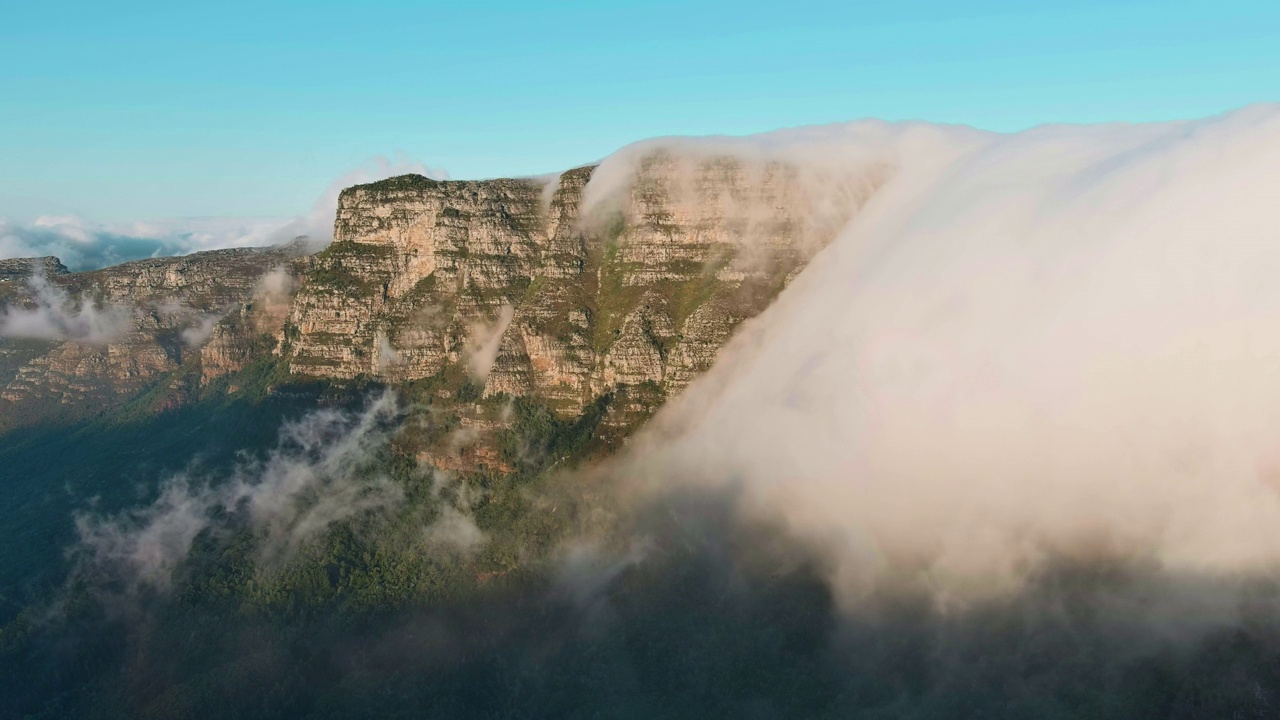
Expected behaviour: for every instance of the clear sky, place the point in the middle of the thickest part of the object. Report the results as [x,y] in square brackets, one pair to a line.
[127,110]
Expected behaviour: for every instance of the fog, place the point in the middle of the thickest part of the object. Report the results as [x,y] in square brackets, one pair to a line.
[1056,344]
[1006,447]
[55,316]
[324,470]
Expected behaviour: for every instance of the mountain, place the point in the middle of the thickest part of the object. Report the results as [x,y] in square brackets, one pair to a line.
[199,437]
[888,420]
[464,290]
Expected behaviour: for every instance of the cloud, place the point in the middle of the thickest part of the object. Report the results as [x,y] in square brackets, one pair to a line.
[455,529]
[198,334]
[85,245]
[275,291]
[1056,344]
[799,186]
[323,471]
[82,244]
[56,316]
[387,353]
[482,348]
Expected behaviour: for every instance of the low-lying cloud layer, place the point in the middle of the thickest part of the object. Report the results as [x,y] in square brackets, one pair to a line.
[1060,343]
[85,245]
[82,244]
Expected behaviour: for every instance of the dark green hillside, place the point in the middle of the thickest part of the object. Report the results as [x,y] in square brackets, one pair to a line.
[118,459]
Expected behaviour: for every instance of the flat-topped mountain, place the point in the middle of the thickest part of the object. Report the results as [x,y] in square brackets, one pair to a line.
[19,269]
[530,288]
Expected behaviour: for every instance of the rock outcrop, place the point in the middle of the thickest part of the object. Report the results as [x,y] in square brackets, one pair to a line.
[19,269]
[70,342]
[541,296]
[560,291]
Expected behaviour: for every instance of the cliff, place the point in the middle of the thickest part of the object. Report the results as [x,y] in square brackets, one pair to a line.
[511,278]
[475,293]
[19,269]
[72,343]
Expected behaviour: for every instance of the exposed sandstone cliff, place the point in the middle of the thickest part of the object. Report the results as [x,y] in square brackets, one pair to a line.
[554,291]
[19,269]
[631,298]
[155,316]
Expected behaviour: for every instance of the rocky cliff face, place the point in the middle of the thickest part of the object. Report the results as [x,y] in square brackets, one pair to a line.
[476,292]
[19,269]
[70,342]
[537,295]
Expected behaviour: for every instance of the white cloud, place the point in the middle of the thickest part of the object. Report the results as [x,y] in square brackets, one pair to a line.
[325,470]
[319,474]
[85,245]
[387,353]
[485,340]
[198,334]
[1060,342]
[56,316]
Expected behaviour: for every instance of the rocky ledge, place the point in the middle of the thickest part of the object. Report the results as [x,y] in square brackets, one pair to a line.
[556,291]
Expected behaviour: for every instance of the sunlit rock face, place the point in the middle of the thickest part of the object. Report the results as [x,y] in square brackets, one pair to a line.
[73,341]
[631,295]
[563,290]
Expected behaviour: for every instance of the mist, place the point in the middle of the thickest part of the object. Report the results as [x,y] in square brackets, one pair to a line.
[324,470]
[484,342]
[55,316]
[1055,345]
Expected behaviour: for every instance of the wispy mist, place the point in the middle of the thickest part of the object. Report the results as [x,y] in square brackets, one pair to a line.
[55,316]
[323,471]
[483,344]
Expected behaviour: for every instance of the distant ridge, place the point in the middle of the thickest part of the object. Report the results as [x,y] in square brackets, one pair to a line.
[18,269]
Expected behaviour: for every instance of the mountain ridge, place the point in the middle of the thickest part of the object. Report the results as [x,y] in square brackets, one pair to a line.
[497,288]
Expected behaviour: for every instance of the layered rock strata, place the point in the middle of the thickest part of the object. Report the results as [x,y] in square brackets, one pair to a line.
[560,291]
[77,340]
[541,295]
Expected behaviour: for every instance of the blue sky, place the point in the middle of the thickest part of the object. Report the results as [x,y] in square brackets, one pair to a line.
[131,110]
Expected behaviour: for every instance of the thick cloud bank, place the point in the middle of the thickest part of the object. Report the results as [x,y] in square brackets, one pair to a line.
[86,245]
[1058,343]
[1007,448]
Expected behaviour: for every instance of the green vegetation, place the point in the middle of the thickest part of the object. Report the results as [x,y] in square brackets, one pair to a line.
[396,184]
[612,299]
[117,459]
[335,278]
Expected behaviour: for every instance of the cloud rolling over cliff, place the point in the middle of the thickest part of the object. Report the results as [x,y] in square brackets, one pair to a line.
[1059,343]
